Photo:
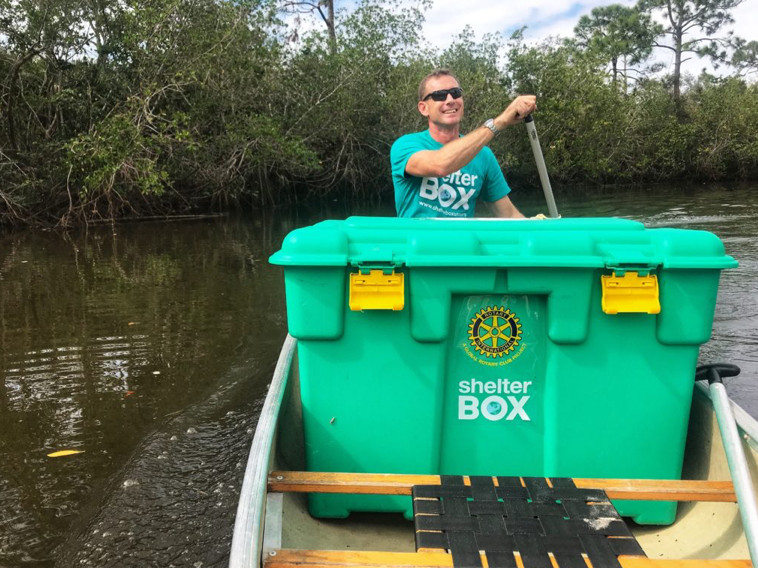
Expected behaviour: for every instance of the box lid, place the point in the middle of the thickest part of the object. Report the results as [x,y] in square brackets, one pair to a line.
[569,243]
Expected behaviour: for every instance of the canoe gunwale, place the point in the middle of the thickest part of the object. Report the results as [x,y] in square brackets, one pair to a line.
[247,538]
[746,423]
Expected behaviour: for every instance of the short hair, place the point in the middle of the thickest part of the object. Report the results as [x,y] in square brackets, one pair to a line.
[433,75]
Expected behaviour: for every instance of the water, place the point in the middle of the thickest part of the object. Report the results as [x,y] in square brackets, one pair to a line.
[150,348]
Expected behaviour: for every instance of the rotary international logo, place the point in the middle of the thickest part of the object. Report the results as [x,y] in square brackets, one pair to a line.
[494,331]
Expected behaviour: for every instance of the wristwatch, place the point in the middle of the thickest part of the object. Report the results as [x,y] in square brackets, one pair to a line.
[490,123]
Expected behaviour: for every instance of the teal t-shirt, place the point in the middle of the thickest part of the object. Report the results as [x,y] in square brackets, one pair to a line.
[451,196]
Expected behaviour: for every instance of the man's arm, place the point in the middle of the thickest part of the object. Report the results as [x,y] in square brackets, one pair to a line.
[456,154]
[505,209]
[451,157]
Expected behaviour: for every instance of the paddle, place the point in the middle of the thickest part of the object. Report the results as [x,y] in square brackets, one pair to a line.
[735,456]
[535,142]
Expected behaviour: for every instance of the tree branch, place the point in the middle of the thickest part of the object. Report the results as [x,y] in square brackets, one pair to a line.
[656,44]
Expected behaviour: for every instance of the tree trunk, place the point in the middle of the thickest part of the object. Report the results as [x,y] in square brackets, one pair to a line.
[9,110]
[677,67]
[330,26]
[10,107]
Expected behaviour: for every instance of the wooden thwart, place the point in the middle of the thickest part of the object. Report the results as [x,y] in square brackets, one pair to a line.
[285,558]
[391,484]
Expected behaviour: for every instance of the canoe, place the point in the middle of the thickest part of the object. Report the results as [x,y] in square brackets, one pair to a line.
[273,528]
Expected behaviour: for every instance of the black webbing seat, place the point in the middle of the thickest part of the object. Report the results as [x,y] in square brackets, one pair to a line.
[535,521]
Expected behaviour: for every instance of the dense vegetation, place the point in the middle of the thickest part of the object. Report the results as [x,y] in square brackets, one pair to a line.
[131,108]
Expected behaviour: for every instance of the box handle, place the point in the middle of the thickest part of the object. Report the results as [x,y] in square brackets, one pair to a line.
[376,290]
[629,292]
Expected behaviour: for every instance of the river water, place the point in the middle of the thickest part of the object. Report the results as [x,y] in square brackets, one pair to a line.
[149,347]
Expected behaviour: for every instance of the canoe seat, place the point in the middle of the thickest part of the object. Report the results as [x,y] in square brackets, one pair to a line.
[539,518]
[402,484]
[580,527]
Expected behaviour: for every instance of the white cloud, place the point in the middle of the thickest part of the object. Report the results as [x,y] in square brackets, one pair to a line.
[746,16]
[486,16]
[544,18]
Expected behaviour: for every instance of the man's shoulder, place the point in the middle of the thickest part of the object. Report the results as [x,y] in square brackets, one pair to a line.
[413,138]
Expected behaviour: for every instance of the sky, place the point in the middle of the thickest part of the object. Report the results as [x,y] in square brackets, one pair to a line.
[545,18]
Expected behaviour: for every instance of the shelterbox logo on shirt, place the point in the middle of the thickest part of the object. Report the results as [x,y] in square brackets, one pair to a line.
[454,192]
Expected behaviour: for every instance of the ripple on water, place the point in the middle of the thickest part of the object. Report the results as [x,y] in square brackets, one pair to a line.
[105,341]
[182,478]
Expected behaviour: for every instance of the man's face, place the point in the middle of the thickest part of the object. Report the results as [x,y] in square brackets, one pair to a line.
[447,113]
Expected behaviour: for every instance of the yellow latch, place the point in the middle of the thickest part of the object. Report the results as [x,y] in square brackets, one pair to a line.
[376,291]
[630,293]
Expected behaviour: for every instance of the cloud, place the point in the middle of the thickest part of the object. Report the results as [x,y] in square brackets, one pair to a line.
[446,19]
[745,17]
[545,18]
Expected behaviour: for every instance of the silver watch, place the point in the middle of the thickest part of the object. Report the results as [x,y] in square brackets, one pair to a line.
[490,123]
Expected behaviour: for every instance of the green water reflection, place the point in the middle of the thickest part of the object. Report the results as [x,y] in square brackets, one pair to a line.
[105,338]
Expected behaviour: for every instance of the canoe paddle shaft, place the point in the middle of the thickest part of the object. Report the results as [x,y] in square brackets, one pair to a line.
[537,150]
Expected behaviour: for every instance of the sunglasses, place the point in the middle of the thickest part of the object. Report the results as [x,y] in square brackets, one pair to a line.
[439,96]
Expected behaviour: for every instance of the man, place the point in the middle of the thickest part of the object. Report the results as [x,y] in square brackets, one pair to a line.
[438,172]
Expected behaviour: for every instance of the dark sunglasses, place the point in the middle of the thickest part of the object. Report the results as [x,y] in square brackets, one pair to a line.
[439,96]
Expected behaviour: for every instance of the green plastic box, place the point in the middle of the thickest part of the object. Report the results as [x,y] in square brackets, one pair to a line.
[502,360]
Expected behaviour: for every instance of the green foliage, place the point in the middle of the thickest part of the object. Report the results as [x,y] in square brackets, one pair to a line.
[745,56]
[724,119]
[350,106]
[579,113]
[112,109]
[616,33]
[593,133]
